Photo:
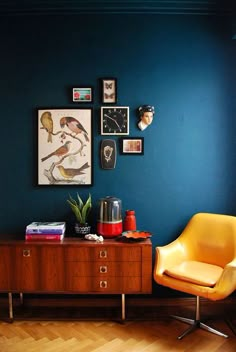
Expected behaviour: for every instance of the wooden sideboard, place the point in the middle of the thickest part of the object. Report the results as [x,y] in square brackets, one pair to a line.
[75,266]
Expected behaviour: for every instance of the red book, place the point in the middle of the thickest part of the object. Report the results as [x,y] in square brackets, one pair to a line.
[43,237]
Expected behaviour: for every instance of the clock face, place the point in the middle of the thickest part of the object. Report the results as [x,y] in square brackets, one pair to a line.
[115,120]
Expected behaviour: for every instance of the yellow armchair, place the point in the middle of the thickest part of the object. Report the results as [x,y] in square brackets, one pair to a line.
[201,262]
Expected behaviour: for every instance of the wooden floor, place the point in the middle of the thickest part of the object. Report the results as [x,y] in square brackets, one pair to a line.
[94,325]
[110,336]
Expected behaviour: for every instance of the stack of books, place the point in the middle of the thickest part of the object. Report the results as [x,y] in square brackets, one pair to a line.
[42,231]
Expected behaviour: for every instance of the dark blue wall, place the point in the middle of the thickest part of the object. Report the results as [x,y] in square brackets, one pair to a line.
[183,65]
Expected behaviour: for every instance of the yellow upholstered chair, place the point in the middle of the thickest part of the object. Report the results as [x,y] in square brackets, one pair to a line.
[201,262]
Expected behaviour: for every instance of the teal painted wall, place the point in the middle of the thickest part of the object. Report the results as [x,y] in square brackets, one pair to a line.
[183,65]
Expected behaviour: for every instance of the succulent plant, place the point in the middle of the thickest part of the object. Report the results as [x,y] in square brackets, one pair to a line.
[80,209]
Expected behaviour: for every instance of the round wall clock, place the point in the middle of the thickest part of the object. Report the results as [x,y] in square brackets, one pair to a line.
[115,120]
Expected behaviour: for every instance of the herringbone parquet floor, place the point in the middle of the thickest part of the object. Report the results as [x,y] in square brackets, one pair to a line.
[110,336]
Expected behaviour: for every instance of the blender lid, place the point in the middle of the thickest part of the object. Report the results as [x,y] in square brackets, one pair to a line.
[110,209]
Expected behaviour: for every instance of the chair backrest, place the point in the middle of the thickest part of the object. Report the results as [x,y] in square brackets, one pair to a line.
[210,238]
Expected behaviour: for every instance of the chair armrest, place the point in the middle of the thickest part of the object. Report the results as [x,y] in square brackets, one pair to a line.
[168,256]
[226,283]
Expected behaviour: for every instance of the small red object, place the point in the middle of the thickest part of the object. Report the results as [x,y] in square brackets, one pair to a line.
[129,221]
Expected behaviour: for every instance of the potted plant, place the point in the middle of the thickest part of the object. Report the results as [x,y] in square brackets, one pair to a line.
[81,211]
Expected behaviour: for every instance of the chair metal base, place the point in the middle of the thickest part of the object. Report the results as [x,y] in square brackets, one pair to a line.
[196,323]
[231,325]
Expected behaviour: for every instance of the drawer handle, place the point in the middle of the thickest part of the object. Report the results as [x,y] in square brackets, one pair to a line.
[103,284]
[103,269]
[26,253]
[103,254]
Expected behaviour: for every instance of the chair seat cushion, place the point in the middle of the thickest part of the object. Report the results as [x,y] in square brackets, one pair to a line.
[196,272]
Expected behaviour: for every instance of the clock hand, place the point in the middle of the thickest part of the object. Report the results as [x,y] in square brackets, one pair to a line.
[109,117]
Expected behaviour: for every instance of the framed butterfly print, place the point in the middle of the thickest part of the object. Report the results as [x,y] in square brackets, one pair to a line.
[109,90]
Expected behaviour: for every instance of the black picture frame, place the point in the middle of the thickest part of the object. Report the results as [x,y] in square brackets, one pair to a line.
[131,145]
[109,90]
[82,94]
[65,146]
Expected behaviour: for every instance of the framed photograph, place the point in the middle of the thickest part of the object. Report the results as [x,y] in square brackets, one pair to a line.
[83,95]
[114,120]
[109,90]
[65,144]
[133,145]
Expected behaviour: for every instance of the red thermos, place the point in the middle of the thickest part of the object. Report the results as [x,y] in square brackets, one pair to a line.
[110,217]
[129,221]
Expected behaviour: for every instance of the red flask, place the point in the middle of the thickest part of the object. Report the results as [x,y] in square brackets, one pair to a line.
[129,221]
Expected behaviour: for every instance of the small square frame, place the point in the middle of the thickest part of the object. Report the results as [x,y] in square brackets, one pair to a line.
[109,90]
[82,95]
[132,146]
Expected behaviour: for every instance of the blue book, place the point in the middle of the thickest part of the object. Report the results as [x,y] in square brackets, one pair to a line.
[56,227]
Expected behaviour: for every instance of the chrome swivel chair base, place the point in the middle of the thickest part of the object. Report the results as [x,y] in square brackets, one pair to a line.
[231,325]
[196,323]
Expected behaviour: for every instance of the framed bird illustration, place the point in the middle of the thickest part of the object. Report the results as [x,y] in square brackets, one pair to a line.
[65,147]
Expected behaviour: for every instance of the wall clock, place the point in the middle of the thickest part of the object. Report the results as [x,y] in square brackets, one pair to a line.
[115,120]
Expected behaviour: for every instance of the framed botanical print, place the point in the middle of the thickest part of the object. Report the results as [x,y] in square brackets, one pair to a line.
[65,147]
[109,90]
[132,146]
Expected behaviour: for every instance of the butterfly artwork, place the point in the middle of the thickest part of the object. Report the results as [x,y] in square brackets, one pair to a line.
[109,96]
[109,90]
[108,85]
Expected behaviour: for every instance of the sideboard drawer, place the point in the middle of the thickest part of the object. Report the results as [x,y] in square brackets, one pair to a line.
[78,269]
[127,254]
[103,252]
[104,284]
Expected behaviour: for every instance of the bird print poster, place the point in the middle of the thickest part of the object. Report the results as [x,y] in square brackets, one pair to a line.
[65,146]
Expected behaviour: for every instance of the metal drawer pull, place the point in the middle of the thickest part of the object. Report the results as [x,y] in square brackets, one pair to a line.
[103,254]
[26,252]
[103,269]
[103,284]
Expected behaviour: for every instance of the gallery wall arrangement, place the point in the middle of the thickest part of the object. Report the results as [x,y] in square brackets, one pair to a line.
[65,137]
